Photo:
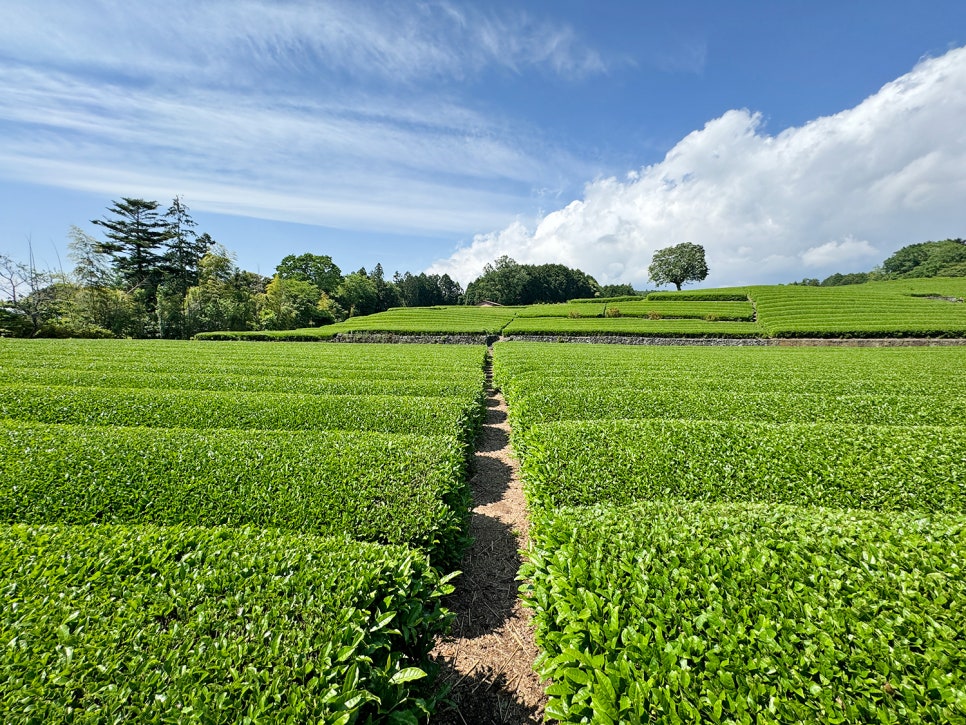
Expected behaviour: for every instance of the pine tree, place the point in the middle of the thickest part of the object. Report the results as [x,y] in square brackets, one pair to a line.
[185,248]
[134,234]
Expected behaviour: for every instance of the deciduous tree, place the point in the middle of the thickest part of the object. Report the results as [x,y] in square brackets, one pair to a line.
[676,265]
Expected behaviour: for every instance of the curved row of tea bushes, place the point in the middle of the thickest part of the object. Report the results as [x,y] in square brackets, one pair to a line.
[641,307]
[375,487]
[158,408]
[631,326]
[574,463]
[900,308]
[441,320]
[214,625]
[678,612]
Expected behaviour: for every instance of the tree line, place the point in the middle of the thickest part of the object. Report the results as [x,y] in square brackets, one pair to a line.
[153,275]
[946,258]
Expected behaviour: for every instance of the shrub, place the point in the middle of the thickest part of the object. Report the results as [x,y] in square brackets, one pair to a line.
[685,612]
[175,624]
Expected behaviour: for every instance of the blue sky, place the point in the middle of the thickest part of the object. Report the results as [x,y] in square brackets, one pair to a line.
[791,139]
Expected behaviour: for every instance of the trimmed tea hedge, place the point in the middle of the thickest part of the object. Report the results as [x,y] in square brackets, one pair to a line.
[251,411]
[630,326]
[704,403]
[364,382]
[149,624]
[688,613]
[620,461]
[376,487]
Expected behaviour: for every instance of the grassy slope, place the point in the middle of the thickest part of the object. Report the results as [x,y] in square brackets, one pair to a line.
[900,308]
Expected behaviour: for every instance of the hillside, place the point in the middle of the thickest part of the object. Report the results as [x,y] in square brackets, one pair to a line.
[907,308]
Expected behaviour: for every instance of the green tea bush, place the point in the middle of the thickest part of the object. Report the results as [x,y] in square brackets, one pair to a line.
[689,613]
[177,624]
[701,403]
[365,382]
[637,326]
[159,408]
[395,489]
[575,463]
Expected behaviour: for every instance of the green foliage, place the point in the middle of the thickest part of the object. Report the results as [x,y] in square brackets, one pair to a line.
[678,264]
[927,259]
[507,282]
[838,279]
[750,613]
[318,269]
[427,290]
[629,297]
[724,294]
[290,303]
[302,474]
[640,307]
[357,294]
[175,624]
[135,232]
[541,403]
[199,409]
[380,487]
[734,570]
[822,464]
[452,320]
[876,309]
[634,326]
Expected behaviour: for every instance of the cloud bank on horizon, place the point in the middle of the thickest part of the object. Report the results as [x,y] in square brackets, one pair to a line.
[838,194]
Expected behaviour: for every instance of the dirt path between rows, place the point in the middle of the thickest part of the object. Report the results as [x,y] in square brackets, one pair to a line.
[487,658]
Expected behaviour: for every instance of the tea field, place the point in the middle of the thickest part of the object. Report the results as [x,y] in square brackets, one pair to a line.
[737,535]
[237,532]
[930,307]
[228,533]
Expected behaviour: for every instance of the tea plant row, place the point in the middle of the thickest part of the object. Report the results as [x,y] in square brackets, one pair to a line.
[222,551]
[744,535]
[217,625]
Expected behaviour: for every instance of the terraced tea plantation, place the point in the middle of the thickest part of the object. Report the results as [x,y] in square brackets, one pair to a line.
[931,307]
[742,535]
[228,533]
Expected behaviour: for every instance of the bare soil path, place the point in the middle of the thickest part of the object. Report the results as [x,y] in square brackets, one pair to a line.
[488,655]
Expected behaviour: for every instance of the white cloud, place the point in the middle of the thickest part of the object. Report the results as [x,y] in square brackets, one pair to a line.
[838,194]
[844,253]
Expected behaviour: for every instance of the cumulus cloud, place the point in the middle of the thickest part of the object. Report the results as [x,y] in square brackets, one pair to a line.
[837,194]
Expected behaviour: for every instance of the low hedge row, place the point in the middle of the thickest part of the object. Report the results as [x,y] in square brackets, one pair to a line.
[214,625]
[617,402]
[389,383]
[397,489]
[159,408]
[684,612]
[631,326]
[576,463]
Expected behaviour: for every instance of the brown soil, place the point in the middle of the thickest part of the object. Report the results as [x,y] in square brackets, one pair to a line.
[487,658]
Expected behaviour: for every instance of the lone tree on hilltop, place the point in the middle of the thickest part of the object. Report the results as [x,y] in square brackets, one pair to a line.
[678,264]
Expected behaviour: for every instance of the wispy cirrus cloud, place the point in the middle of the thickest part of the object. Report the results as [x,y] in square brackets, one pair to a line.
[336,113]
[837,194]
[237,41]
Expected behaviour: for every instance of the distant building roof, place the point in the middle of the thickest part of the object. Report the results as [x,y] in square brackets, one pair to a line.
[488,303]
